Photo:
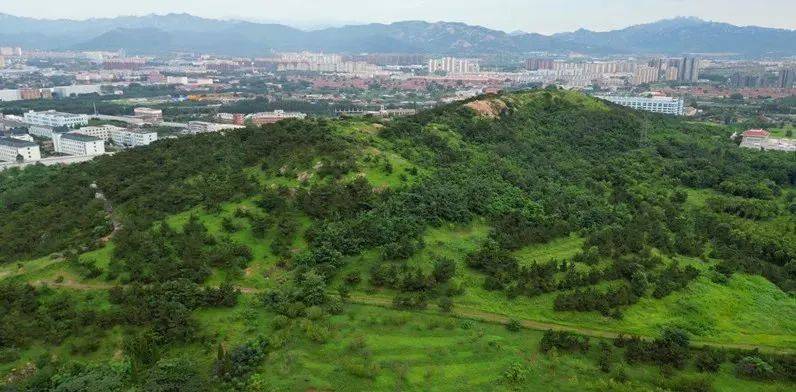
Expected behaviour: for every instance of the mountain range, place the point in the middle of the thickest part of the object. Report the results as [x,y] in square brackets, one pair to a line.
[153,34]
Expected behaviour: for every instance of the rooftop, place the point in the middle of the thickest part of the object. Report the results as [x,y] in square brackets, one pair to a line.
[55,114]
[16,143]
[79,137]
[756,133]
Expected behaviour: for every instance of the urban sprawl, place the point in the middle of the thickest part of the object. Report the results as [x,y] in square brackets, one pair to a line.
[66,107]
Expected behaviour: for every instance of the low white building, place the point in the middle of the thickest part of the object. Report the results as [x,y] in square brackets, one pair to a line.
[273,117]
[149,115]
[12,150]
[133,137]
[101,132]
[195,127]
[79,145]
[46,132]
[665,105]
[760,139]
[51,118]
[75,90]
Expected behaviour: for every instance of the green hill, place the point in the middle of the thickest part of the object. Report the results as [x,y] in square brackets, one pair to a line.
[361,254]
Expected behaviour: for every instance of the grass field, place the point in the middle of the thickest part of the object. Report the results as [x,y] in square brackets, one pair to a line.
[783,132]
[376,349]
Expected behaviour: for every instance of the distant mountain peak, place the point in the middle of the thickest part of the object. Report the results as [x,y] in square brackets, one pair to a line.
[186,32]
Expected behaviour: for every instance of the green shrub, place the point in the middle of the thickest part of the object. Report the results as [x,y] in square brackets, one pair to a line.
[754,368]
[8,355]
[514,325]
[516,373]
[709,360]
[445,304]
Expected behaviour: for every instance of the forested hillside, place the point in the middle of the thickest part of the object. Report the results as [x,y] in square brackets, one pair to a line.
[319,254]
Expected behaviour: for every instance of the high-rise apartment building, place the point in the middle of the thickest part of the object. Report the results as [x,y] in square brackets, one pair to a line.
[787,76]
[537,64]
[453,66]
[645,74]
[688,70]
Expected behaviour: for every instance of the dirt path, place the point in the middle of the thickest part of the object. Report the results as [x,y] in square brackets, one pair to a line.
[464,312]
[117,224]
[495,318]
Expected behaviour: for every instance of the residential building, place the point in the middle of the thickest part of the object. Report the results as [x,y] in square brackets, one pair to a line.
[133,137]
[665,105]
[10,95]
[537,64]
[10,51]
[78,145]
[688,70]
[124,64]
[453,66]
[787,76]
[152,116]
[2,62]
[645,74]
[12,150]
[51,118]
[671,73]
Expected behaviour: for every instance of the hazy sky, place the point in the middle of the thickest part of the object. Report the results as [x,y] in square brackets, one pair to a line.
[545,16]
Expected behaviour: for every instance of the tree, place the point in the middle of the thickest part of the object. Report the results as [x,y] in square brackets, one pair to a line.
[639,283]
[311,289]
[606,357]
[444,269]
[142,350]
[445,304]
[174,375]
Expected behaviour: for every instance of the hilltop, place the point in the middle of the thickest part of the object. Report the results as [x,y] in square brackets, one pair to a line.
[372,254]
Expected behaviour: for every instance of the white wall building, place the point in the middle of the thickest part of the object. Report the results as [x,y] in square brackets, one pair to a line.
[133,137]
[177,80]
[453,66]
[272,117]
[101,132]
[11,149]
[195,127]
[51,118]
[665,105]
[79,145]
[80,89]
[149,115]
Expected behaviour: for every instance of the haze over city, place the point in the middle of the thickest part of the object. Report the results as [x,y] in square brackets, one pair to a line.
[541,16]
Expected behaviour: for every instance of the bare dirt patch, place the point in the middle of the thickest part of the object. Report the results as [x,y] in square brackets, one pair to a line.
[491,108]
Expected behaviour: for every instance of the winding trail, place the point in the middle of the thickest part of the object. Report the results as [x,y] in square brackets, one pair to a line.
[464,312]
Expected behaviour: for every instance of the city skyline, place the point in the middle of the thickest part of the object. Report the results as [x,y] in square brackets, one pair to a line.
[530,16]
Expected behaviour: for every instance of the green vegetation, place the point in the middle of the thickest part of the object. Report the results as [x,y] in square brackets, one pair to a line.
[351,255]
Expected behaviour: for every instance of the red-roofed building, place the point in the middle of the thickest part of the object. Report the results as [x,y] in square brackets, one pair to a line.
[755,138]
[756,133]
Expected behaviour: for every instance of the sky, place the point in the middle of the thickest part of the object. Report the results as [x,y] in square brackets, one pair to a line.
[546,16]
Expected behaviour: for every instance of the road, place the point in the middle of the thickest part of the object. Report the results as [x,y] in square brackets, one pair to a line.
[463,312]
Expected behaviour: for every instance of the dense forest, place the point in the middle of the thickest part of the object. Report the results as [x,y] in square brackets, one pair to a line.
[641,190]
